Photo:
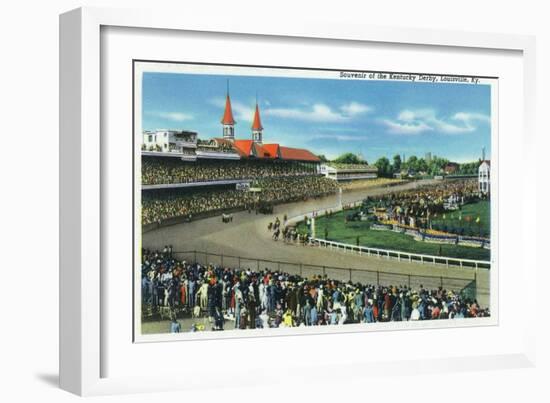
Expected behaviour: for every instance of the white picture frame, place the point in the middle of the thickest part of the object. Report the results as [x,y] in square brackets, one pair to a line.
[82,343]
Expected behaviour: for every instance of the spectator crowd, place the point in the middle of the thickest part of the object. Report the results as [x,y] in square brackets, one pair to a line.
[162,205]
[370,183]
[350,167]
[270,299]
[414,207]
[155,171]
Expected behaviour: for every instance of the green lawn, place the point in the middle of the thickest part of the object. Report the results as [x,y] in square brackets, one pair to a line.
[453,223]
[340,231]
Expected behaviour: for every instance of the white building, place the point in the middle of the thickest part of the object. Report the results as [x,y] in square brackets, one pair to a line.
[168,141]
[348,172]
[484,177]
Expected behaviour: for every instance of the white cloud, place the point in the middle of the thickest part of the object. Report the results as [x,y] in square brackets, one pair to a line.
[317,113]
[404,127]
[422,120]
[173,116]
[339,137]
[466,122]
[355,108]
[471,117]
[242,112]
[320,112]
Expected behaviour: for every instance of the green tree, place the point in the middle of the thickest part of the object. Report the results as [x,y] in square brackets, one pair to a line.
[384,167]
[437,164]
[396,163]
[322,158]
[421,165]
[468,168]
[349,158]
[412,163]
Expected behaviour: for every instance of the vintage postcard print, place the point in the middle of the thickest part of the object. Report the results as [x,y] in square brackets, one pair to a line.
[270,198]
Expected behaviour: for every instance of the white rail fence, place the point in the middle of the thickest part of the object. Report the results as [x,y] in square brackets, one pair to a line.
[401,256]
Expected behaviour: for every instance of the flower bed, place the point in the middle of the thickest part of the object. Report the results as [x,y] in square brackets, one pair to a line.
[433,236]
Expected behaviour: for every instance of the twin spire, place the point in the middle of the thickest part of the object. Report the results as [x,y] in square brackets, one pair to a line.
[228,122]
[227,118]
[257,123]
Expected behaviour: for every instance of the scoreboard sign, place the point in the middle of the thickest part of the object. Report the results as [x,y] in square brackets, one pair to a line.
[245,186]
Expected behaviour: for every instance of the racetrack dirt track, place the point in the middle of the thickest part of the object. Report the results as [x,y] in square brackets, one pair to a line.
[247,237]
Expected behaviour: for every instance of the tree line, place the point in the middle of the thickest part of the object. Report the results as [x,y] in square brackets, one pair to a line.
[414,165]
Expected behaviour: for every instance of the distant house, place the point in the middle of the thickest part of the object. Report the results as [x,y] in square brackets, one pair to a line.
[405,173]
[484,176]
[451,168]
[168,141]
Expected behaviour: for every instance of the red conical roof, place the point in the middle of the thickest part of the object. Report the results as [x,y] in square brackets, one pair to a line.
[256,123]
[227,118]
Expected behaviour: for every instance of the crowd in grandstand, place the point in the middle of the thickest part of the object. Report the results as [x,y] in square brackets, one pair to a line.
[264,298]
[369,183]
[156,171]
[283,190]
[351,167]
[159,206]
[416,205]
[354,176]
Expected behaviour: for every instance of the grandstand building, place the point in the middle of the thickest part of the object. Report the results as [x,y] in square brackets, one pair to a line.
[348,172]
[224,161]
[184,177]
[189,147]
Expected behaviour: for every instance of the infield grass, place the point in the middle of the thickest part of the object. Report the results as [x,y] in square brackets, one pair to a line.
[360,232]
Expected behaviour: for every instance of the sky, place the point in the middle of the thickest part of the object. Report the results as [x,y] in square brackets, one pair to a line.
[328,116]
